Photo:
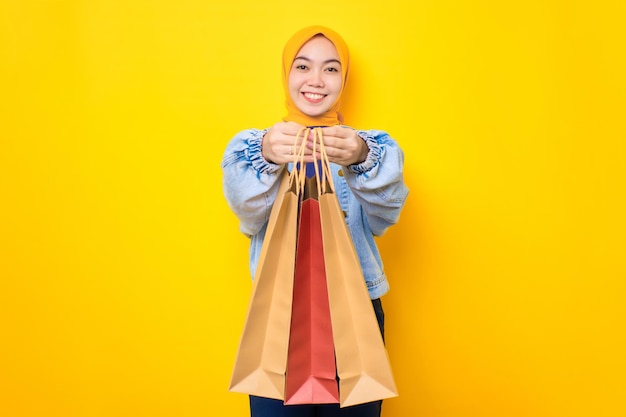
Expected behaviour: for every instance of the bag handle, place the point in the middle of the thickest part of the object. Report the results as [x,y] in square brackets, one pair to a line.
[326,175]
[298,172]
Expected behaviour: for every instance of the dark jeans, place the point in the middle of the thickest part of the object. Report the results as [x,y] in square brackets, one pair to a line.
[267,407]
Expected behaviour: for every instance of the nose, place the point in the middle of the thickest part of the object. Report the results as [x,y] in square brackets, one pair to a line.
[316,79]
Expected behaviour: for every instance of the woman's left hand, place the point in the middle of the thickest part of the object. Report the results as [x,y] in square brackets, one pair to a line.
[343,146]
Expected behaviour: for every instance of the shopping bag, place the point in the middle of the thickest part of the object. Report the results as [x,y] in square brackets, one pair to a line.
[363,364]
[262,355]
[311,373]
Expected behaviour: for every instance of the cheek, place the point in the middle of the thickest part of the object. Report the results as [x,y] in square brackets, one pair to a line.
[292,91]
[295,78]
[337,85]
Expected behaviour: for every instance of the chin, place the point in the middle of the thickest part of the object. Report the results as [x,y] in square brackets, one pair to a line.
[315,113]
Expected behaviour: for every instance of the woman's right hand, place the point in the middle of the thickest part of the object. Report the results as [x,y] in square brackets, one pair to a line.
[279,143]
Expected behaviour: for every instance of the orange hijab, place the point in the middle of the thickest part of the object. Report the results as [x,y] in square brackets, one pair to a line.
[332,116]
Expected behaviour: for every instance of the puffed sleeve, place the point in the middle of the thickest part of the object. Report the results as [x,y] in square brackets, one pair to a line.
[249,181]
[378,182]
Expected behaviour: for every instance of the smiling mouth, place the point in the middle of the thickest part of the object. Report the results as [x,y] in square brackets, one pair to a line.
[313,97]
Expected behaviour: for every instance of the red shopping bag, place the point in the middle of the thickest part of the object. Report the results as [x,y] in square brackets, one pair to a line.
[311,372]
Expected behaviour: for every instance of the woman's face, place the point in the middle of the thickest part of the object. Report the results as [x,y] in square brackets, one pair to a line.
[315,77]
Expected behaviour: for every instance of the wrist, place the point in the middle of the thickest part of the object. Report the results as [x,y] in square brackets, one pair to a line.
[364,150]
[264,154]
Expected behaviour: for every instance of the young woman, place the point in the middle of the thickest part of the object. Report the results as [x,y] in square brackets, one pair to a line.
[367,169]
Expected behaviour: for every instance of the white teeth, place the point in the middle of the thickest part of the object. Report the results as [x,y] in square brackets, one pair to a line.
[313,96]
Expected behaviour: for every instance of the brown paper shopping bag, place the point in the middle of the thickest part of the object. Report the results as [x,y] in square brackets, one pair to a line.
[363,365]
[262,356]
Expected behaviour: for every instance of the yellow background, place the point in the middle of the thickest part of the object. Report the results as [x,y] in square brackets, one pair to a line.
[124,278]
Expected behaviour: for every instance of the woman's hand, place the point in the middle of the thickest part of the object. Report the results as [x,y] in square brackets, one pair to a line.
[343,145]
[279,143]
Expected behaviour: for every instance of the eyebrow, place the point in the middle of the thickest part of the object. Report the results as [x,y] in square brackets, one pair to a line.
[328,61]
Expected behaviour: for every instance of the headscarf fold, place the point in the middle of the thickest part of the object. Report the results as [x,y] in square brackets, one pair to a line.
[332,116]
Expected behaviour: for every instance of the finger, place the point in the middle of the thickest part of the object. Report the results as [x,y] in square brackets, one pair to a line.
[295,125]
[293,128]
[287,128]
[336,131]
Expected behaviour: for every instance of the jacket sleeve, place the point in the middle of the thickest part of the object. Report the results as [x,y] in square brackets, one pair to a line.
[249,181]
[378,182]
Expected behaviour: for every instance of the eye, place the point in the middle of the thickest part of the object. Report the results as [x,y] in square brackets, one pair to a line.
[301,67]
[332,69]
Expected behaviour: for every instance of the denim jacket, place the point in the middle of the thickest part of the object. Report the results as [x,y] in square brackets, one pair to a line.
[371,194]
